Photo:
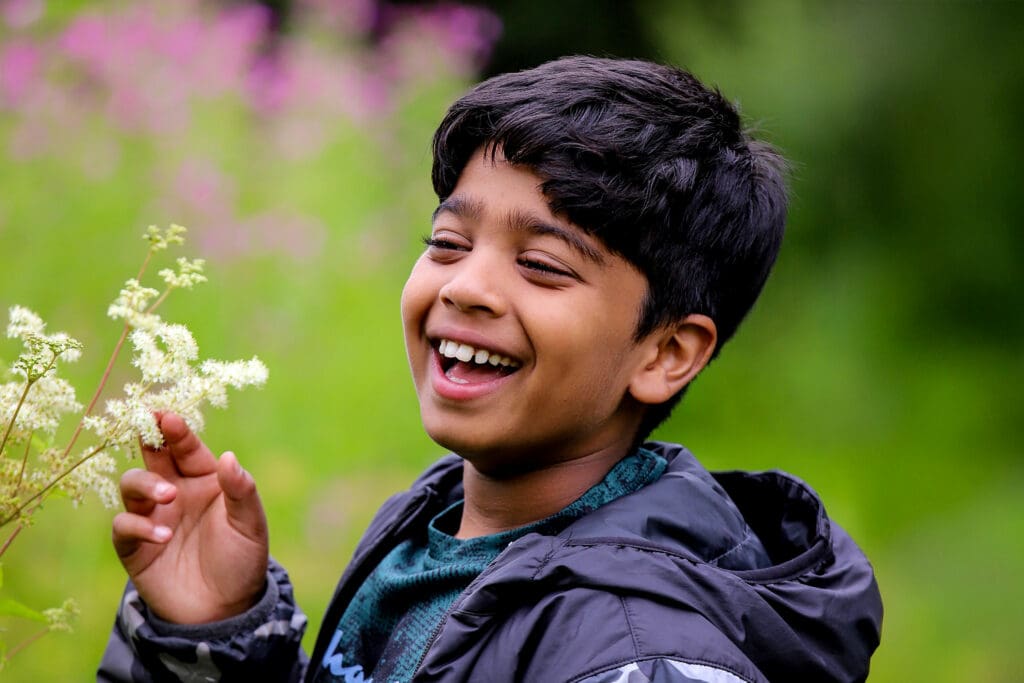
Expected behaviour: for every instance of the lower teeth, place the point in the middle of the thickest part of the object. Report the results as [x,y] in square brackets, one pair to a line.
[457,380]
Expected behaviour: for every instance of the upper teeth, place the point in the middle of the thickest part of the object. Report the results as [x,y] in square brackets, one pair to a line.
[466,353]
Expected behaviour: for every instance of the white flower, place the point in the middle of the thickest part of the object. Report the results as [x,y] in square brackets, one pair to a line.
[131,304]
[127,419]
[95,475]
[41,350]
[159,240]
[236,373]
[184,397]
[180,344]
[23,323]
[61,618]
[48,399]
[69,350]
[100,426]
[161,366]
[143,423]
[167,356]
[189,274]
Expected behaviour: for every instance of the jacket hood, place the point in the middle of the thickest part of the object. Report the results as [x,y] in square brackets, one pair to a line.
[752,554]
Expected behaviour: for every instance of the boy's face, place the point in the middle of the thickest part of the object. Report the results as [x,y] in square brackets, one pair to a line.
[505,281]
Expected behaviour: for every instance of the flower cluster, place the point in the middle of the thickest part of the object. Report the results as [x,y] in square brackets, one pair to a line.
[32,406]
[61,618]
[39,397]
[173,378]
[167,356]
[34,401]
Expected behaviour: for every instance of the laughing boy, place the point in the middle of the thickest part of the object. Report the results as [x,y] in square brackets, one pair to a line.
[603,227]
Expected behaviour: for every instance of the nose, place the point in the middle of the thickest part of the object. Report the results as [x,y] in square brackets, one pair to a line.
[475,285]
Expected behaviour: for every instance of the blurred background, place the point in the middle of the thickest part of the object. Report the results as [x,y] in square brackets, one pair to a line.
[883,363]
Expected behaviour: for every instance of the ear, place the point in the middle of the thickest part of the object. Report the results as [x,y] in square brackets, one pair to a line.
[674,356]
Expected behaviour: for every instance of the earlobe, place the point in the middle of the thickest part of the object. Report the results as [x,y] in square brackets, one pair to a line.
[676,355]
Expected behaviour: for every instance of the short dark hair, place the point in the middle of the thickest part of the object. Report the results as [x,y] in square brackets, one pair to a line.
[648,160]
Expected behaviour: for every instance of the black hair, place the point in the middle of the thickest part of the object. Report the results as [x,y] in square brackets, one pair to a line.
[648,160]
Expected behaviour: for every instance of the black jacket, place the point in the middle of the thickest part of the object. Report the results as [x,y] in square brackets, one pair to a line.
[670,583]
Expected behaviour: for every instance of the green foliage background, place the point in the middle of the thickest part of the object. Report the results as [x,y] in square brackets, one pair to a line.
[882,365]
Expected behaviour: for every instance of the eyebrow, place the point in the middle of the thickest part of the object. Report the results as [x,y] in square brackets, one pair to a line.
[461,207]
[521,221]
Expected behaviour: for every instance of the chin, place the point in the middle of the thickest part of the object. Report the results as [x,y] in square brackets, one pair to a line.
[465,444]
[494,455]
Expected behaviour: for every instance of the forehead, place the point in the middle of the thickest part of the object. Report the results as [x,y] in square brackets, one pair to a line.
[496,190]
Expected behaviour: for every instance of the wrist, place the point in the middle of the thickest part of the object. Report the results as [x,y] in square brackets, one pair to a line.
[219,622]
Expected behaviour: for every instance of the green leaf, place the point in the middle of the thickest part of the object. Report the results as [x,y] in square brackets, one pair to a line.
[13,608]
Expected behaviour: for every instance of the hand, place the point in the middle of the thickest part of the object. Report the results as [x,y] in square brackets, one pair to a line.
[193,536]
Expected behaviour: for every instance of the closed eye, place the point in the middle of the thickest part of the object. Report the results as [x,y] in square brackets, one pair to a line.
[548,272]
[543,267]
[434,243]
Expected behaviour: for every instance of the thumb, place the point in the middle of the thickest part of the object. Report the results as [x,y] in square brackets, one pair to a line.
[245,511]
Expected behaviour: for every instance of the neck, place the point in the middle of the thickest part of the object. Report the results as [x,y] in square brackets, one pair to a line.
[504,501]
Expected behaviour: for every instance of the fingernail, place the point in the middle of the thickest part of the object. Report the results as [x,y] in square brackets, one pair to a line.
[162,533]
[162,490]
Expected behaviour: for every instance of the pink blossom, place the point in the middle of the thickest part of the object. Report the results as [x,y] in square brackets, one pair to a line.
[231,42]
[365,95]
[270,84]
[181,42]
[87,41]
[19,67]
[347,17]
[127,76]
[299,237]
[19,14]
[204,189]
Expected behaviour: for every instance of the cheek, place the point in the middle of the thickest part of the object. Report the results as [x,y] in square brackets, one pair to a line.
[591,355]
[415,304]
[416,295]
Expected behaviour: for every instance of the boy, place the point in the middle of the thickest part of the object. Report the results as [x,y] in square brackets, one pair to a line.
[603,227]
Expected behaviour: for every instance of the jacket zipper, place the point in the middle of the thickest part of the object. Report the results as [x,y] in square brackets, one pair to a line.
[451,608]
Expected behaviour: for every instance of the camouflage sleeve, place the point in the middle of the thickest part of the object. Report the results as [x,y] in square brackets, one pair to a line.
[260,644]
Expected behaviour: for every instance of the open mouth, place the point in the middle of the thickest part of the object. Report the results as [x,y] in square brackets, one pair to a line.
[465,364]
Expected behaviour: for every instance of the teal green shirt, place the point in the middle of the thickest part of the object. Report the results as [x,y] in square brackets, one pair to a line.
[388,625]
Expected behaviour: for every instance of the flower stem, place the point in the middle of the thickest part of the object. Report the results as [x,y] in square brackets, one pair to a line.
[25,643]
[145,263]
[24,461]
[99,389]
[159,300]
[113,358]
[17,409]
[10,539]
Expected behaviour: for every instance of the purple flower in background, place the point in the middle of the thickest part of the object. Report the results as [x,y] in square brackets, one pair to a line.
[468,32]
[85,41]
[195,84]
[19,67]
[346,17]
[20,14]
[145,66]
[460,37]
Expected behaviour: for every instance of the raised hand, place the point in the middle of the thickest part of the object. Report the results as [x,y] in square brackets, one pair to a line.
[193,536]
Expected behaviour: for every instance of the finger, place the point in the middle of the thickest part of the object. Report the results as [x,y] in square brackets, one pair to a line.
[142,490]
[156,459]
[188,453]
[245,511]
[130,531]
